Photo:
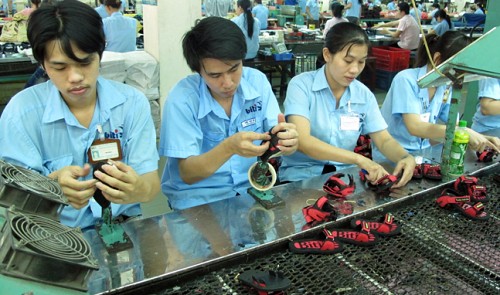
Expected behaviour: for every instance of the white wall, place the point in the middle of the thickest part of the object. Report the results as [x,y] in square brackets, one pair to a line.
[164,28]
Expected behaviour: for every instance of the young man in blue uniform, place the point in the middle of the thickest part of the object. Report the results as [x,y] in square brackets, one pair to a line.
[213,121]
[51,127]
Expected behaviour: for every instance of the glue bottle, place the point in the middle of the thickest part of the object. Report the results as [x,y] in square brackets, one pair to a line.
[458,149]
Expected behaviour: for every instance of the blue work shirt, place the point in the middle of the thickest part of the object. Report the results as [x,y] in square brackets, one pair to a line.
[302,5]
[120,32]
[355,10]
[310,96]
[252,43]
[39,132]
[261,13]
[194,123]
[406,97]
[313,8]
[487,88]
[441,28]
[102,11]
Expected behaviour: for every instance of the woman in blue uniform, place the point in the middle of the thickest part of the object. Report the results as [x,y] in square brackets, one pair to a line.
[330,109]
[249,25]
[412,112]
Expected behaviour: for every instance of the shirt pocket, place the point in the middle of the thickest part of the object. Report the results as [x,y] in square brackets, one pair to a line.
[55,164]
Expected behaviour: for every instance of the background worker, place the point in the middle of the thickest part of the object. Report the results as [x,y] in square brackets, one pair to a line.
[407,28]
[120,31]
[261,13]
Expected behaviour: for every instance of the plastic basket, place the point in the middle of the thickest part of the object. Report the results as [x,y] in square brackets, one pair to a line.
[391,58]
[384,79]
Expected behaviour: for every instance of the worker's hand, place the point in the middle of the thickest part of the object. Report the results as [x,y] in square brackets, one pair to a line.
[479,142]
[406,166]
[375,170]
[120,184]
[77,192]
[289,138]
[242,143]
[495,141]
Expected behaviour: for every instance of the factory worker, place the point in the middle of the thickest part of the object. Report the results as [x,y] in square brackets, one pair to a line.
[249,25]
[412,113]
[51,127]
[331,109]
[214,120]
[120,31]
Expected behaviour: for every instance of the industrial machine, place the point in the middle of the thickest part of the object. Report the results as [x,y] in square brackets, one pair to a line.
[290,13]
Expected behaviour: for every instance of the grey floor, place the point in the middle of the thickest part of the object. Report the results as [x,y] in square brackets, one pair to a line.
[159,205]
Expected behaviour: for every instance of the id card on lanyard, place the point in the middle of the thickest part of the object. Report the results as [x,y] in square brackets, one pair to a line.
[350,121]
[103,149]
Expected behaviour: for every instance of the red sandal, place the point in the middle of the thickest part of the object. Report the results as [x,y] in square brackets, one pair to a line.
[486,155]
[336,187]
[432,171]
[316,246]
[319,212]
[383,185]
[384,227]
[467,185]
[452,199]
[360,238]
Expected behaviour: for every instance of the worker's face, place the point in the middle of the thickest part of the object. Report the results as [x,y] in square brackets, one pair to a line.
[75,81]
[344,66]
[222,77]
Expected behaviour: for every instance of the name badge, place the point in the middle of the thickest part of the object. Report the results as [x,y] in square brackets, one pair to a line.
[248,122]
[425,117]
[107,149]
[350,123]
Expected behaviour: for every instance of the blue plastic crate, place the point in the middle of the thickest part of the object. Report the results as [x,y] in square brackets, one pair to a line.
[283,56]
[384,79]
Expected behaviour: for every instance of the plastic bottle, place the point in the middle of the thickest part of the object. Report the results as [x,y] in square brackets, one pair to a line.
[458,149]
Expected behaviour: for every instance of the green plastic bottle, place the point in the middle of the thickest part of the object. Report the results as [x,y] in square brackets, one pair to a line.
[458,149]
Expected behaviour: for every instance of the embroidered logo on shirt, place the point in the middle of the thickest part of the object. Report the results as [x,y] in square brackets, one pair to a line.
[255,108]
[117,133]
[248,122]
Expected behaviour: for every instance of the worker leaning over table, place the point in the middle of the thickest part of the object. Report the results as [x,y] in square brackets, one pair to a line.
[331,109]
[413,113]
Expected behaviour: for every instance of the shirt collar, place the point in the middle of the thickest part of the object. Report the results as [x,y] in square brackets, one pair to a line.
[58,109]
[245,91]
[352,93]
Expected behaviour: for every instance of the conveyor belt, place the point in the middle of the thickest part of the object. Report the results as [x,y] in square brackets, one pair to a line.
[438,252]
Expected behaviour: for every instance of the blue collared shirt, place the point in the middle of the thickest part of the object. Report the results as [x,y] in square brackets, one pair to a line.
[355,10]
[405,97]
[120,32]
[261,13]
[313,8]
[194,123]
[102,11]
[310,96]
[39,132]
[252,43]
[487,88]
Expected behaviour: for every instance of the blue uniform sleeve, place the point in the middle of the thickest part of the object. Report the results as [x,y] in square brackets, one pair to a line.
[298,97]
[181,134]
[404,95]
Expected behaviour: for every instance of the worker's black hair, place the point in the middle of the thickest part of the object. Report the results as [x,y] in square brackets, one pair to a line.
[404,7]
[213,37]
[69,22]
[447,45]
[345,34]
[246,6]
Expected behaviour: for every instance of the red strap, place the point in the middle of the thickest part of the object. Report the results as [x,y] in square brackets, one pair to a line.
[336,187]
